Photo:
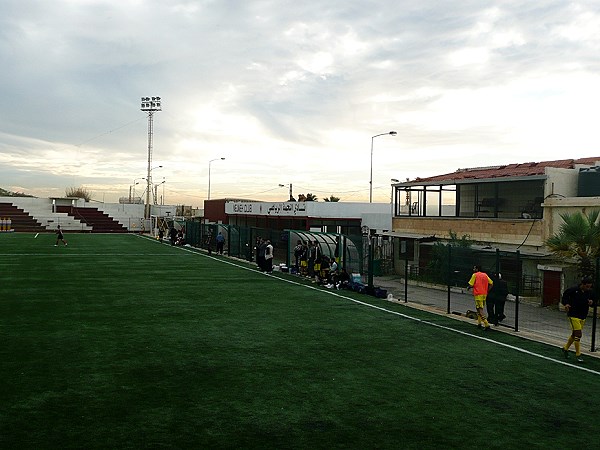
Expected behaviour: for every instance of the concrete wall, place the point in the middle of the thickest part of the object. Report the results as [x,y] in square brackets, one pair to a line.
[500,231]
[555,206]
[561,182]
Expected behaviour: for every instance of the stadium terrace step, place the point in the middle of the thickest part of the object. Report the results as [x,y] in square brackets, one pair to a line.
[98,220]
[21,221]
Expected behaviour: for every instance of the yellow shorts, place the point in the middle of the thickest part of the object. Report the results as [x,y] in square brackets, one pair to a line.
[576,324]
[480,301]
[303,263]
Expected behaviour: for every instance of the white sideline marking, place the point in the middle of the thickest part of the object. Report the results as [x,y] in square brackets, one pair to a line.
[396,313]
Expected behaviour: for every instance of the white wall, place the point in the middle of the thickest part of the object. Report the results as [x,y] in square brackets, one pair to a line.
[374,215]
[325,210]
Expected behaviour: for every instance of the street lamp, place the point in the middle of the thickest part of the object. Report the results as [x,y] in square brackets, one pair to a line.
[291,196]
[393,180]
[135,183]
[131,186]
[154,192]
[391,133]
[216,159]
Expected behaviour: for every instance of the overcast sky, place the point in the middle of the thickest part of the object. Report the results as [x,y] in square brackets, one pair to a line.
[289,92]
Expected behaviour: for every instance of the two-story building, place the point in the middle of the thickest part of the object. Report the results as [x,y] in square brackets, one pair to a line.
[508,207]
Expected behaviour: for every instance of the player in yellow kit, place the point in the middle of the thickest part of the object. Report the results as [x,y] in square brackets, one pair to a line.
[577,301]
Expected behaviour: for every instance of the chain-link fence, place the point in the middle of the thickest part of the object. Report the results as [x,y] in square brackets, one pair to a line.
[242,242]
[447,270]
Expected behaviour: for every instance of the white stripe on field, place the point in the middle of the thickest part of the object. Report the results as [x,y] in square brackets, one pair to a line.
[443,327]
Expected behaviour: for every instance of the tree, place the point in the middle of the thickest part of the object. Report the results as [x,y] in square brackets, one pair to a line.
[79,192]
[5,193]
[578,238]
[332,198]
[437,267]
[307,198]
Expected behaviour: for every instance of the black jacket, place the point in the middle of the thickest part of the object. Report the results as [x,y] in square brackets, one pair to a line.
[578,301]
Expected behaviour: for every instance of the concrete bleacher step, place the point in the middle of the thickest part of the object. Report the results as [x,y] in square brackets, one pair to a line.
[20,220]
[99,221]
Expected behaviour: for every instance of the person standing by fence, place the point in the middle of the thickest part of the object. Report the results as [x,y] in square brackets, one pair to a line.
[496,299]
[577,301]
[480,282]
[220,243]
[268,257]
[262,248]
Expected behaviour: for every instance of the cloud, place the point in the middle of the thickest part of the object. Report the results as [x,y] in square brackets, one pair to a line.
[288,91]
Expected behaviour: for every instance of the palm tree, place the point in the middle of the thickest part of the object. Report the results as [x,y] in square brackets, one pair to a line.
[332,198]
[578,238]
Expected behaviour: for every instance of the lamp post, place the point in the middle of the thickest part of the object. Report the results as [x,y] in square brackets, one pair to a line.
[150,105]
[135,183]
[291,196]
[154,191]
[393,180]
[391,133]
[131,186]
[216,159]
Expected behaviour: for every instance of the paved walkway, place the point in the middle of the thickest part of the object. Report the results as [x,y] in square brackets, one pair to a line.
[544,324]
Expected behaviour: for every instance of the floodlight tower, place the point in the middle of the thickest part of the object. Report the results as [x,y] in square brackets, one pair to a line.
[150,105]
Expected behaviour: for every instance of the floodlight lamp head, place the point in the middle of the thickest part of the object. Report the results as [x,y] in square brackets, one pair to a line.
[151,104]
[393,133]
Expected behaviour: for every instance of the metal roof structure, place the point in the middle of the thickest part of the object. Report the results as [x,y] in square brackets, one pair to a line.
[527,170]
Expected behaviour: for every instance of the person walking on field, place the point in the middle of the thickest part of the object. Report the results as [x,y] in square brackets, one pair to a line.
[480,282]
[59,236]
[577,301]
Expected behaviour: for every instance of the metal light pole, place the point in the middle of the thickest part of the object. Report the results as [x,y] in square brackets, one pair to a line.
[391,133]
[393,180]
[136,182]
[150,105]
[290,185]
[154,192]
[130,187]
[216,159]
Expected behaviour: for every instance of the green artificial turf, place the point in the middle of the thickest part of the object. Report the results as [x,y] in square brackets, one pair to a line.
[117,341]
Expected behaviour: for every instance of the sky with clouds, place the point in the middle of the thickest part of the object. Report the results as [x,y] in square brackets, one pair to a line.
[289,92]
